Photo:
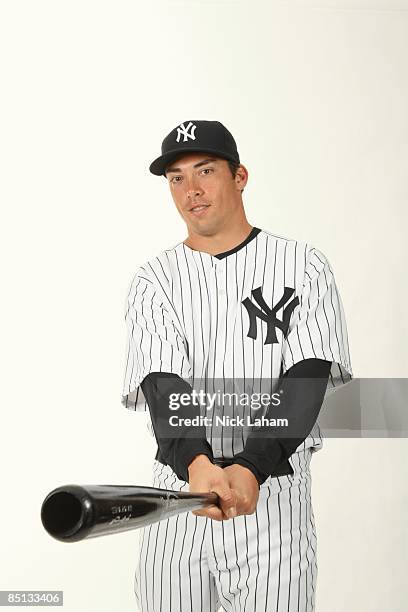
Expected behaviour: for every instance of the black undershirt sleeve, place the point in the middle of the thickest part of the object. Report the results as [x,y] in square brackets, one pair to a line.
[177,445]
[263,454]
[303,386]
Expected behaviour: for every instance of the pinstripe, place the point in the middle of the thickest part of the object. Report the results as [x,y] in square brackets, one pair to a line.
[215,346]
[265,261]
[215,336]
[324,280]
[307,326]
[233,351]
[181,555]
[191,323]
[300,543]
[309,544]
[236,557]
[166,253]
[227,569]
[165,540]
[154,571]
[242,335]
[146,592]
[253,344]
[171,561]
[291,547]
[267,502]
[280,546]
[200,308]
[180,284]
[166,485]
[247,560]
[204,274]
[344,337]
[223,361]
[316,320]
[257,559]
[313,546]
[200,566]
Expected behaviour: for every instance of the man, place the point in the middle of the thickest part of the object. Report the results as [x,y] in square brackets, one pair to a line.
[233,307]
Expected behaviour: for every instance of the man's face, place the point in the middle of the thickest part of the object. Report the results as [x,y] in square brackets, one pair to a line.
[201,179]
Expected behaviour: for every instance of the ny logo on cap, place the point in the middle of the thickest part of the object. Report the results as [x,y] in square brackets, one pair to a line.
[184,131]
[269,314]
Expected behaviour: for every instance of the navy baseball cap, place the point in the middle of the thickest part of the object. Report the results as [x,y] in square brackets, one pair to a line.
[195,137]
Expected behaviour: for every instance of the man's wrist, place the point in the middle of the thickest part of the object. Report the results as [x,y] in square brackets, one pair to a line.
[250,466]
[199,461]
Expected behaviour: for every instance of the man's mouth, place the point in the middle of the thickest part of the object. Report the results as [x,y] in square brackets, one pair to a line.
[199,208]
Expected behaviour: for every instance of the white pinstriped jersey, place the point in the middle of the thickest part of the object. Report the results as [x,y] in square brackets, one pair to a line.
[247,317]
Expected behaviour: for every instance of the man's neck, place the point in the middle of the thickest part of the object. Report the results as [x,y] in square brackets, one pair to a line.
[221,241]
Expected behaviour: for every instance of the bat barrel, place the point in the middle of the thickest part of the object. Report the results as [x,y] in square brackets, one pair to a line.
[64,514]
[74,512]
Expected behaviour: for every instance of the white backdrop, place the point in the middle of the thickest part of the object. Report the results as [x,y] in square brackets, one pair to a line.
[315,94]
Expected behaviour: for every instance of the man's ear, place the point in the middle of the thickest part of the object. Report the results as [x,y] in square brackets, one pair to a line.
[241,177]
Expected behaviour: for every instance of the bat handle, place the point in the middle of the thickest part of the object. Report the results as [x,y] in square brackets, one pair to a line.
[210,499]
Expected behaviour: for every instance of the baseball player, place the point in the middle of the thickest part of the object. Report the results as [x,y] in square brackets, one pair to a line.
[233,307]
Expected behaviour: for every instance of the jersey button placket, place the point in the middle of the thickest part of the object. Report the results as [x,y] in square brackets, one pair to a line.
[220,271]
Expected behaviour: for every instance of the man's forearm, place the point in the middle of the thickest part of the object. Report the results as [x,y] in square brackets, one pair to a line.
[303,388]
[178,445]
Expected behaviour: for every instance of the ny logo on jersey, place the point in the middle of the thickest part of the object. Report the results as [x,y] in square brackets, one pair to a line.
[269,314]
[184,131]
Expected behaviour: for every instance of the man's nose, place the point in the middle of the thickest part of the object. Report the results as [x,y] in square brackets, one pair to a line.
[193,192]
[193,188]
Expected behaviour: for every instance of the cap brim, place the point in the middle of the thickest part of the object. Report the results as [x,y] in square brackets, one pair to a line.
[158,166]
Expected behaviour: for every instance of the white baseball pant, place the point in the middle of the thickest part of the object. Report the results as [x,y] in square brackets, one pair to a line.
[265,561]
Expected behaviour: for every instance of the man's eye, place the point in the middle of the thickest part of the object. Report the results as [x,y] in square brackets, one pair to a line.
[173,180]
[207,170]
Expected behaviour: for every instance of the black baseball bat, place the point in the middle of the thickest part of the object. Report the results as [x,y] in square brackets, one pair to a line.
[75,512]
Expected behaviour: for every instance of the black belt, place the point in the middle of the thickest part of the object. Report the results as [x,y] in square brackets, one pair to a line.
[283,469]
[223,461]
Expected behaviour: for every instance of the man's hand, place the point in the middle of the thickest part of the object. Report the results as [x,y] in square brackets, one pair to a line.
[205,477]
[245,486]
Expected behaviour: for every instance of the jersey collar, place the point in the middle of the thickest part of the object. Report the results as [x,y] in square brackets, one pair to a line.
[221,256]
[254,232]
